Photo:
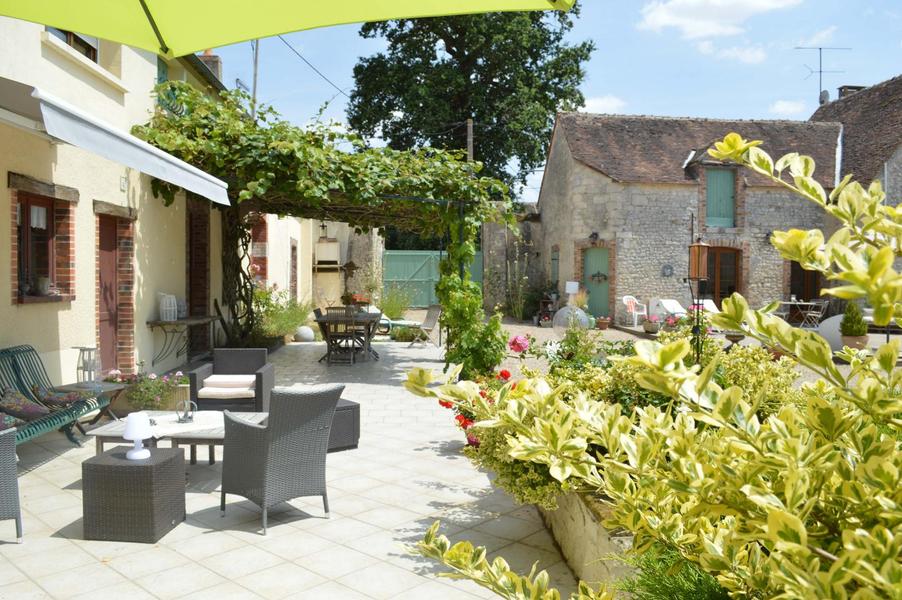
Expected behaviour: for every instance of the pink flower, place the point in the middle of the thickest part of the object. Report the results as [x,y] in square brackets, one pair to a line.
[472,440]
[179,374]
[165,378]
[152,376]
[519,344]
[653,318]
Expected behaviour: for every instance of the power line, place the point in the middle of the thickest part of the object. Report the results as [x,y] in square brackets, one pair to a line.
[315,70]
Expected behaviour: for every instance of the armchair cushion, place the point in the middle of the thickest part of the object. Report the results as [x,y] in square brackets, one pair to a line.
[230,381]
[9,421]
[14,403]
[226,393]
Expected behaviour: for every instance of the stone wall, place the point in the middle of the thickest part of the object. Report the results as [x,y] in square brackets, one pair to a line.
[504,252]
[585,543]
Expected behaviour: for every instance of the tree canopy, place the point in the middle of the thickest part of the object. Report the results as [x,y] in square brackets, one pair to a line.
[510,72]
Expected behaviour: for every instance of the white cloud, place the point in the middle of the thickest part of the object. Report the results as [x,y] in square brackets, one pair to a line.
[787,108]
[819,38]
[706,18]
[750,55]
[604,104]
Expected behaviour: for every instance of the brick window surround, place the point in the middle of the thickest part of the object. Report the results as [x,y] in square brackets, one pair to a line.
[125,282]
[62,201]
[579,247]
[259,258]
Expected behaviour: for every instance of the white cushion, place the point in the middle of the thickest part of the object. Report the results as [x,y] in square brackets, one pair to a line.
[225,393]
[230,381]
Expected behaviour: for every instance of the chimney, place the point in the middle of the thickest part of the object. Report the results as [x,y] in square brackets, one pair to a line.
[213,62]
[848,90]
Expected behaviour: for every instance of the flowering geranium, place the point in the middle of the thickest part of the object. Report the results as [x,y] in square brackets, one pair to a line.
[504,374]
[518,344]
[445,404]
[464,421]
[653,319]
[671,320]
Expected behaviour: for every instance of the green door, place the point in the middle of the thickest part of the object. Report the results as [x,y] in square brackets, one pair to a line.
[595,280]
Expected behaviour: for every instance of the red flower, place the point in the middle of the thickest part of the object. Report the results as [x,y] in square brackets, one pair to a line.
[463,421]
[445,404]
[504,374]
[472,440]
[483,394]
[514,385]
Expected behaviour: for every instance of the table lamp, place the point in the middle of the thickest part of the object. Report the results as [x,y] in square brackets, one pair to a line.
[137,429]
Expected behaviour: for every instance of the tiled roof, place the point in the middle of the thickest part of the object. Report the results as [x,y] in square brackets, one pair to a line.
[655,149]
[872,127]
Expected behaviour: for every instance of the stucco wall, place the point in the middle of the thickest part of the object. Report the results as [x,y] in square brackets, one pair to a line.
[118,91]
[281,233]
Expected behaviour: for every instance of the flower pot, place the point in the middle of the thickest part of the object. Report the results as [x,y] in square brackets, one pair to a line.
[603,322]
[734,336]
[651,327]
[122,404]
[858,342]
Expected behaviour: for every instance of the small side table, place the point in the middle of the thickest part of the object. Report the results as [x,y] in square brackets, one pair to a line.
[133,500]
[345,433]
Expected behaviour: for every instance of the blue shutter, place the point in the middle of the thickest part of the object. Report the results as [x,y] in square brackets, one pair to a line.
[162,71]
[721,205]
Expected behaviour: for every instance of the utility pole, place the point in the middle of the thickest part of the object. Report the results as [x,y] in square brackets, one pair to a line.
[256,46]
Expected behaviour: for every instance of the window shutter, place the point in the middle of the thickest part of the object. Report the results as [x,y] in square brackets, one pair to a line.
[721,205]
[162,71]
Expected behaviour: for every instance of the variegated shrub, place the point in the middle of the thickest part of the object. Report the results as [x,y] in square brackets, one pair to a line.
[806,503]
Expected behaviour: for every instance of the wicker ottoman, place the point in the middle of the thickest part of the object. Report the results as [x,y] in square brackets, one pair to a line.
[345,434]
[133,500]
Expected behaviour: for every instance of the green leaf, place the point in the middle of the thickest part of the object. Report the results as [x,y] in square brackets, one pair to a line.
[783,527]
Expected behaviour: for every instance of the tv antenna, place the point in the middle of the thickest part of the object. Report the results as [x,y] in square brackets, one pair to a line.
[820,65]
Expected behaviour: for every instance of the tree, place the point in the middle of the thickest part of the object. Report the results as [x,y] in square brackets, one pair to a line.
[510,72]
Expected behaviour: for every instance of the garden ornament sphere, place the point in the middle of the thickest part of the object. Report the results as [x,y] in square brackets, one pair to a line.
[569,315]
[304,334]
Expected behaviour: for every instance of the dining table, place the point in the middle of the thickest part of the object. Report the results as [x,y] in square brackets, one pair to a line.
[361,324]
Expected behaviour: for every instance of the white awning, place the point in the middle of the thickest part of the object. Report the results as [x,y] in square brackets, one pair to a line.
[35,109]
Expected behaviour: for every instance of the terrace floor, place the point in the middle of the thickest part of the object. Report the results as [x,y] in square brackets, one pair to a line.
[407,472]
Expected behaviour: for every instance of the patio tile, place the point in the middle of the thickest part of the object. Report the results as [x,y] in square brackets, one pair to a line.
[291,547]
[336,561]
[153,560]
[52,561]
[343,529]
[88,578]
[116,592]
[510,528]
[180,581]
[241,561]
[521,557]
[226,590]
[434,591]
[334,591]
[381,580]
[9,573]
[282,581]
[386,517]
[199,547]
[25,590]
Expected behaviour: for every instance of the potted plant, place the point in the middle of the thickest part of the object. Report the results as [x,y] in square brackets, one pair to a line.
[652,324]
[671,322]
[853,328]
[149,391]
[602,322]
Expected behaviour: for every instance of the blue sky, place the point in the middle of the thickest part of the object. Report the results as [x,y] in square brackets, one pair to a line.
[707,58]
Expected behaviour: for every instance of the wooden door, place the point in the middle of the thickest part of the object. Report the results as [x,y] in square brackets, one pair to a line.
[108,315]
[724,269]
[595,280]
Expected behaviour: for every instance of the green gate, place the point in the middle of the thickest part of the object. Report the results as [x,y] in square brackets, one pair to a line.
[417,271]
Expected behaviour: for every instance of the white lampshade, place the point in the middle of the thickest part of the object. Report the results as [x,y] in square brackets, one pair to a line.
[571,287]
[137,429]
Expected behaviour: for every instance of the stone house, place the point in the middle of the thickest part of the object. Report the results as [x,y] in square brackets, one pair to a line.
[620,193]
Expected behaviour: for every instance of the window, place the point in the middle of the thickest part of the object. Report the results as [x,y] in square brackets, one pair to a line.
[162,70]
[35,237]
[83,44]
[555,265]
[721,199]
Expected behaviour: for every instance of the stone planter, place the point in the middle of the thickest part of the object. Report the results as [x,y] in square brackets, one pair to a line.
[602,322]
[585,542]
[858,342]
[651,327]
[122,404]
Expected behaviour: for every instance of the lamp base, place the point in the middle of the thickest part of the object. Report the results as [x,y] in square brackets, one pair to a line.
[138,454]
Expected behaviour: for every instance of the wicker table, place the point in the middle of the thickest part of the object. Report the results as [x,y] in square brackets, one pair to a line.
[133,500]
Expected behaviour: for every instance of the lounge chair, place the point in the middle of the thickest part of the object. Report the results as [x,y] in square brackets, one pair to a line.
[667,307]
[635,308]
[286,458]
[709,306]
[237,378]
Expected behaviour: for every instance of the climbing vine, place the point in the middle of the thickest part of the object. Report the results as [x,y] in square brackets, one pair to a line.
[328,173]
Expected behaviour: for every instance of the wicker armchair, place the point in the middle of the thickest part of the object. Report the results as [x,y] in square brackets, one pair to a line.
[235,361]
[9,481]
[286,458]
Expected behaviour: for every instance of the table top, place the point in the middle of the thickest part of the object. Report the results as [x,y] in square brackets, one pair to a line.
[207,425]
[115,457]
[358,317]
[101,387]
[184,322]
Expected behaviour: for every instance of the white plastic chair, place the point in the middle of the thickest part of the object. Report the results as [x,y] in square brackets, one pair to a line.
[635,308]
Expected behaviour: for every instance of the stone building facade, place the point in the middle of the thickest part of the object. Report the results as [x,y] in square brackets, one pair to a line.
[634,185]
